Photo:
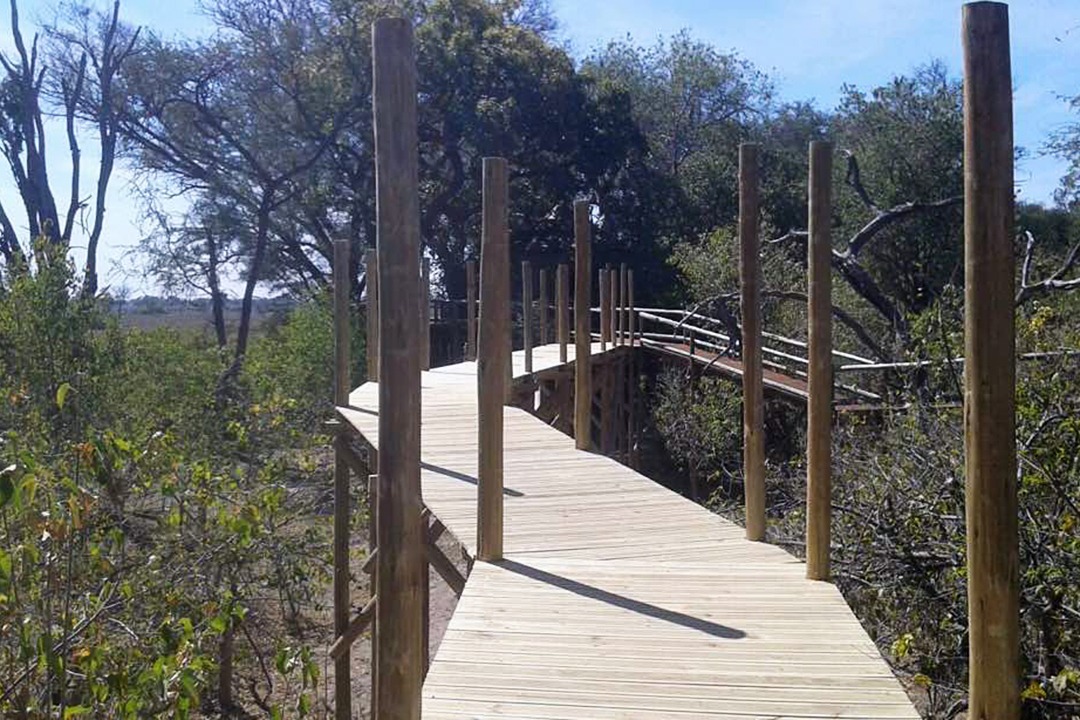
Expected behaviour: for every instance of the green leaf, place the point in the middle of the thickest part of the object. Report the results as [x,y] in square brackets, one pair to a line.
[75,711]
[61,394]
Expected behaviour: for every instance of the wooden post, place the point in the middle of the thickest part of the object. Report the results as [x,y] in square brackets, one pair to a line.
[371,261]
[819,404]
[373,582]
[753,392]
[400,560]
[989,370]
[491,359]
[623,296]
[613,302]
[470,310]
[545,306]
[425,315]
[630,319]
[582,336]
[527,312]
[605,321]
[562,309]
[342,511]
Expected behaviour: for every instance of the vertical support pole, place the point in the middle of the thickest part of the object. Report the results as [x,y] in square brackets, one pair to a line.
[562,309]
[623,308]
[470,310]
[371,261]
[342,511]
[613,302]
[989,370]
[605,321]
[491,360]
[819,405]
[545,306]
[373,583]
[527,294]
[400,560]
[753,391]
[631,420]
[582,336]
[631,316]
[425,316]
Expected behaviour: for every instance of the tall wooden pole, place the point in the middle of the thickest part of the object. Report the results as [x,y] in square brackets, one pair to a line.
[527,294]
[630,319]
[613,303]
[582,336]
[605,321]
[342,511]
[989,369]
[400,559]
[491,360]
[470,309]
[623,308]
[819,405]
[562,309]
[425,315]
[371,262]
[753,392]
[545,306]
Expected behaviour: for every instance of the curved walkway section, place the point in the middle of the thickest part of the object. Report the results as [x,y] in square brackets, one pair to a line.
[618,598]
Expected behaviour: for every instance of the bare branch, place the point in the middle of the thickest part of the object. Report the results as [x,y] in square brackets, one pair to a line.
[853,178]
[1056,281]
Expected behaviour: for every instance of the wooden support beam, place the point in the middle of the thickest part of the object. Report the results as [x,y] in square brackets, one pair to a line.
[613,302]
[562,309]
[401,568]
[371,262]
[545,306]
[623,306]
[750,297]
[425,315]
[582,336]
[819,380]
[470,310]
[631,319]
[353,629]
[990,367]
[493,348]
[373,571]
[605,321]
[527,294]
[446,569]
[342,510]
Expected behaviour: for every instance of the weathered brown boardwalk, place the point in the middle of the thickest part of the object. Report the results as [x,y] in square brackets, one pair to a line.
[618,598]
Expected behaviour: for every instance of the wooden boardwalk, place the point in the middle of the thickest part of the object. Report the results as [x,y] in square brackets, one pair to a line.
[618,598]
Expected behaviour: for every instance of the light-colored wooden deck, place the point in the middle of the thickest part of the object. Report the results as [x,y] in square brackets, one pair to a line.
[618,598]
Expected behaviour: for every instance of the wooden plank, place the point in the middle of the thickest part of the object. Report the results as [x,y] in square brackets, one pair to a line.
[623,304]
[492,358]
[582,338]
[750,304]
[401,564]
[613,303]
[990,366]
[819,380]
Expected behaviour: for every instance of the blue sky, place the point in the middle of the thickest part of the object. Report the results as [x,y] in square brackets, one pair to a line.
[810,47]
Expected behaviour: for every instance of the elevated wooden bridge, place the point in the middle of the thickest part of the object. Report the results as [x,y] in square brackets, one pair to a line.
[591,592]
[615,597]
